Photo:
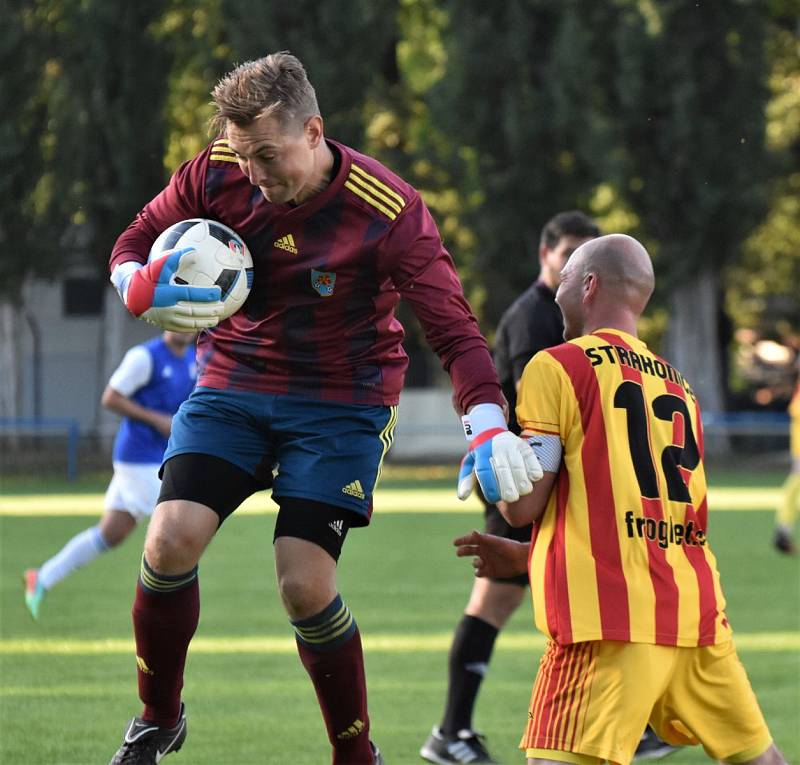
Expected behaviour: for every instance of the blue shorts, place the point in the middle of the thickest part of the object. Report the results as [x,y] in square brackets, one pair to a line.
[319,450]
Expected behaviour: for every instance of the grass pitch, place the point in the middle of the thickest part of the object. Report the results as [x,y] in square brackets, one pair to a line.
[68,684]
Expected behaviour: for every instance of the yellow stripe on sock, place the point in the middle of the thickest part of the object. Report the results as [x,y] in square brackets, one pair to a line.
[331,635]
[342,614]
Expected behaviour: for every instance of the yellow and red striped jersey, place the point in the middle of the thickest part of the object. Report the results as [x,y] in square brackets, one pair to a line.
[621,550]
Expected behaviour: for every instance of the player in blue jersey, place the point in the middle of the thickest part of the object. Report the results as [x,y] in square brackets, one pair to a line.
[146,390]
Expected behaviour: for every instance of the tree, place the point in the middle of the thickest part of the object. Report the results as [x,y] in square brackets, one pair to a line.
[763,282]
[689,96]
[525,114]
[25,195]
[84,84]
[345,45]
[106,115]
[28,227]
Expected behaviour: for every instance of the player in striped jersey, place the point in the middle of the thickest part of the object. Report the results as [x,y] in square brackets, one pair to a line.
[531,323]
[790,501]
[623,579]
[298,390]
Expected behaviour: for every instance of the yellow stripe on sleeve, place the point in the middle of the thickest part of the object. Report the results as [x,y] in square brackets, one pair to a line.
[375,192]
[390,214]
[371,179]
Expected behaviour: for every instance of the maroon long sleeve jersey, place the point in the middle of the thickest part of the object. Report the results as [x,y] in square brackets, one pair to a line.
[319,320]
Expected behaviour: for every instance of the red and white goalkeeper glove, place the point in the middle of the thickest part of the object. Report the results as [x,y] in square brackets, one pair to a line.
[503,463]
[151,293]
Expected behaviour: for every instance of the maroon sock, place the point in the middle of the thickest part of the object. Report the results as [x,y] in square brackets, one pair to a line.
[337,672]
[164,622]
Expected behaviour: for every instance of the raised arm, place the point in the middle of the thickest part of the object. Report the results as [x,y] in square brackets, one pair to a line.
[425,276]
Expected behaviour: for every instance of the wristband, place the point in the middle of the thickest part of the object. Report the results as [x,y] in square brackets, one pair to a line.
[483,417]
[121,276]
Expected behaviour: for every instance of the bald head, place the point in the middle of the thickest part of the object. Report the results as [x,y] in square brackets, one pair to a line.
[623,267]
[606,283]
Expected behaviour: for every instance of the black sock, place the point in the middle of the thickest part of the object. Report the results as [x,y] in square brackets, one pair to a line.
[469,658]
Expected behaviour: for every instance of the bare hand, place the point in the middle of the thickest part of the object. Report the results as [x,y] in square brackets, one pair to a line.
[162,423]
[492,556]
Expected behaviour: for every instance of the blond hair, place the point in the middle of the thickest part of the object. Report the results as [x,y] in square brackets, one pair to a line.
[275,85]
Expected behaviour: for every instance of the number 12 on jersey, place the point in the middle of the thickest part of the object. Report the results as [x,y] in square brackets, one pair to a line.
[630,397]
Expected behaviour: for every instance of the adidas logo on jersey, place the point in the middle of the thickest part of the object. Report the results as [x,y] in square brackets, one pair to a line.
[286,243]
[337,527]
[354,489]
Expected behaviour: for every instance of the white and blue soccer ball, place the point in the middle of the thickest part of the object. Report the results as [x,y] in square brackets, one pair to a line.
[221,259]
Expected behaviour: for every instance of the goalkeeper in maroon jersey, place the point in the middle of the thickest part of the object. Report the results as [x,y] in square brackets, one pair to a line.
[297,392]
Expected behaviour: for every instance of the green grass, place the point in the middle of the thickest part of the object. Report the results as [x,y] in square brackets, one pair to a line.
[64,697]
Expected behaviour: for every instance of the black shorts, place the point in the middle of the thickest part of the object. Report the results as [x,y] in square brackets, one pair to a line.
[222,486]
[494,523]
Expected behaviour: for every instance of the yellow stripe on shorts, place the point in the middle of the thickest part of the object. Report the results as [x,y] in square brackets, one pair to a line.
[387,439]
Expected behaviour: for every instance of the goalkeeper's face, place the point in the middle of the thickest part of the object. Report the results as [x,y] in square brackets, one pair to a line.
[282,160]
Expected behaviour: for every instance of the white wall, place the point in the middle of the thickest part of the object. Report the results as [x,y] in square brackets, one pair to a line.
[427,427]
[74,372]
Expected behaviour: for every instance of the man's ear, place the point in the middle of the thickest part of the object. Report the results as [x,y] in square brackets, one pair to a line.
[313,131]
[543,249]
[591,284]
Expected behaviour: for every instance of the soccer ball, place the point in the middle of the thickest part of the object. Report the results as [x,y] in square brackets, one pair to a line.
[222,258]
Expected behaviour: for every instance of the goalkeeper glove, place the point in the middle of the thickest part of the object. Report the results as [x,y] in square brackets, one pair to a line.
[503,463]
[150,293]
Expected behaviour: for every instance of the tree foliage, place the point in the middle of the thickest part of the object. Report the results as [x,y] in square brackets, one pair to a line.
[675,122]
[524,112]
[86,83]
[27,230]
[689,86]
[696,182]
[763,283]
[347,46]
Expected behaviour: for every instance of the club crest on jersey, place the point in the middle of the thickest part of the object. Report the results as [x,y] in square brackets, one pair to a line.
[323,282]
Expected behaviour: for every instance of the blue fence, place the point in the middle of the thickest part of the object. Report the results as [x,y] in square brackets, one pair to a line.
[746,423]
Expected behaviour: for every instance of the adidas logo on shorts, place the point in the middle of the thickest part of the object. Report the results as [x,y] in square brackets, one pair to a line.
[354,489]
[337,527]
